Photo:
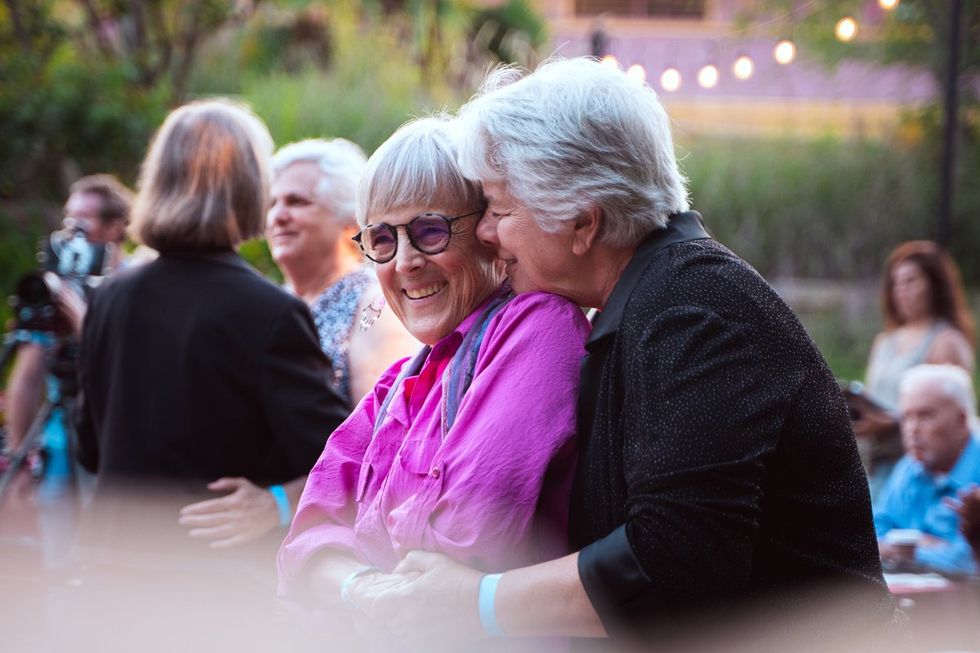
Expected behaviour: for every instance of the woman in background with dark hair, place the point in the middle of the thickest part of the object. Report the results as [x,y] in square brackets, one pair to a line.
[926,321]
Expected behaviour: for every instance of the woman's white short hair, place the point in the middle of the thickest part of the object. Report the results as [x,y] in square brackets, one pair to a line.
[950,380]
[340,163]
[417,167]
[573,135]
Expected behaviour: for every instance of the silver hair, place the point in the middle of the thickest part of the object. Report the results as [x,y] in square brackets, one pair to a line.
[573,135]
[341,164]
[952,381]
[416,167]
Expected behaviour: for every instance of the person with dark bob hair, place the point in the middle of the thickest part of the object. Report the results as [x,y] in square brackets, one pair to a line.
[194,367]
[926,320]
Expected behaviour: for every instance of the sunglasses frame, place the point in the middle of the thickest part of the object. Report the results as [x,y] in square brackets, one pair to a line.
[393,229]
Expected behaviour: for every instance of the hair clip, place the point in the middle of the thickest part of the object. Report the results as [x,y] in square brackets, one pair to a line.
[372,312]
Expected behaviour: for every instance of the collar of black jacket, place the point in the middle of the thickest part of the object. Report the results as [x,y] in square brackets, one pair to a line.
[680,228]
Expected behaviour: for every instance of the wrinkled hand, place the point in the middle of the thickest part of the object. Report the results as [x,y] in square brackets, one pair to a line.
[246,514]
[435,607]
[364,590]
[71,305]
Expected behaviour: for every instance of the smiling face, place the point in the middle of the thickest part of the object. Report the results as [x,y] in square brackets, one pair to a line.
[911,291]
[299,225]
[534,259]
[432,293]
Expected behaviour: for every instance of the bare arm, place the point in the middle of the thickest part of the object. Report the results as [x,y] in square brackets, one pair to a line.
[24,392]
[547,599]
[952,348]
[440,604]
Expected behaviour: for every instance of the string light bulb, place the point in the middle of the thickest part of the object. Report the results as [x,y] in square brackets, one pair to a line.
[637,73]
[888,5]
[670,80]
[785,52]
[610,61]
[846,29]
[743,67]
[708,76]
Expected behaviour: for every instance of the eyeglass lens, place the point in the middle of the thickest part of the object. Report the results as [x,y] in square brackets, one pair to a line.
[428,233]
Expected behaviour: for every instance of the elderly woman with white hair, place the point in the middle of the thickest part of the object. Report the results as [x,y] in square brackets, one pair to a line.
[717,467]
[309,230]
[468,448]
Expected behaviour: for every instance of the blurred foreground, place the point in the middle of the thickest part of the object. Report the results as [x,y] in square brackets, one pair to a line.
[125,577]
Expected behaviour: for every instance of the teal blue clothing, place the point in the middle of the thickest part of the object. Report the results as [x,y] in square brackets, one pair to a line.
[913,498]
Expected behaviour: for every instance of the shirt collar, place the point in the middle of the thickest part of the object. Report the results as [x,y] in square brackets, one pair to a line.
[681,227]
[449,343]
[964,472]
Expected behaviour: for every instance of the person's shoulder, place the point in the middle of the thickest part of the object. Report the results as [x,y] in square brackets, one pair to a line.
[541,310]
[952,347]
[699,274]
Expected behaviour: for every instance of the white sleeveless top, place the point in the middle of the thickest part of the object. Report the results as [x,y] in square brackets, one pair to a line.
[887,364]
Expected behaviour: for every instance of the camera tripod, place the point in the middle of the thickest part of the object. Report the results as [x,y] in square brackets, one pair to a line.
[53,401]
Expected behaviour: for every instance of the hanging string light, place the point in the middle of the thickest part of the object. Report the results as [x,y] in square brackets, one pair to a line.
[785,52]
[610,61]
[637,73]
[670,80]
[743,67]
[887,5]
[708,76]
[846,29]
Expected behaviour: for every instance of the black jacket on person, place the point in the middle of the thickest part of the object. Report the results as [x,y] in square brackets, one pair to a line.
[717,462]
[194,367]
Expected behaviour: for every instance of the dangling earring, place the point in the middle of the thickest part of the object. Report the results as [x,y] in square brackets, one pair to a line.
[372,312]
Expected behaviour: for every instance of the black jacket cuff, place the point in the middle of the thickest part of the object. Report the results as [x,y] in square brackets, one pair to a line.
[613,579]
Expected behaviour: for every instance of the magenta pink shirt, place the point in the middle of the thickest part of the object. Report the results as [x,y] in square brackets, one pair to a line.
[494,494]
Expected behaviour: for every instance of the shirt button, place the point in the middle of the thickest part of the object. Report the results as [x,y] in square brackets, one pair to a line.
[434,473]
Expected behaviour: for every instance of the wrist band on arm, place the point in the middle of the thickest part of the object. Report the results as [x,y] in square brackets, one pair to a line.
[487,605]
[345,586]
[278,493]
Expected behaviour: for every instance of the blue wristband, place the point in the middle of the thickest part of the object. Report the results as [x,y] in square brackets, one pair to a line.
[278,493]
[487,605]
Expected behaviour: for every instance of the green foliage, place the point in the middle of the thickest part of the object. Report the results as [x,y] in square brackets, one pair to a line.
[825,208]
[256,252]
[21,228]
[371,85]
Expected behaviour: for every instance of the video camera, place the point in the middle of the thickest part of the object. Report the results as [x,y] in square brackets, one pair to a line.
[67,256]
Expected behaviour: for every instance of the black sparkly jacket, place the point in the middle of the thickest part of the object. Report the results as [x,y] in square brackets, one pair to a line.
[717,466]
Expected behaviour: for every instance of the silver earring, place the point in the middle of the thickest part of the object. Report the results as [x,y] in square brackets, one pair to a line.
[372,312]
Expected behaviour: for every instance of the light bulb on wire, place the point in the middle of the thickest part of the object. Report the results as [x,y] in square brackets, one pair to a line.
[670,80]
[610,61]
[708,76]
[888,5]
[743,67]
[846,29]
[784,52]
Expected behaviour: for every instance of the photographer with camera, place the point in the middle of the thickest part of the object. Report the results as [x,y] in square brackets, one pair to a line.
[51,306]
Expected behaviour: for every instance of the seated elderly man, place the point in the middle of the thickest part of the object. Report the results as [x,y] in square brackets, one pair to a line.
[938,408]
